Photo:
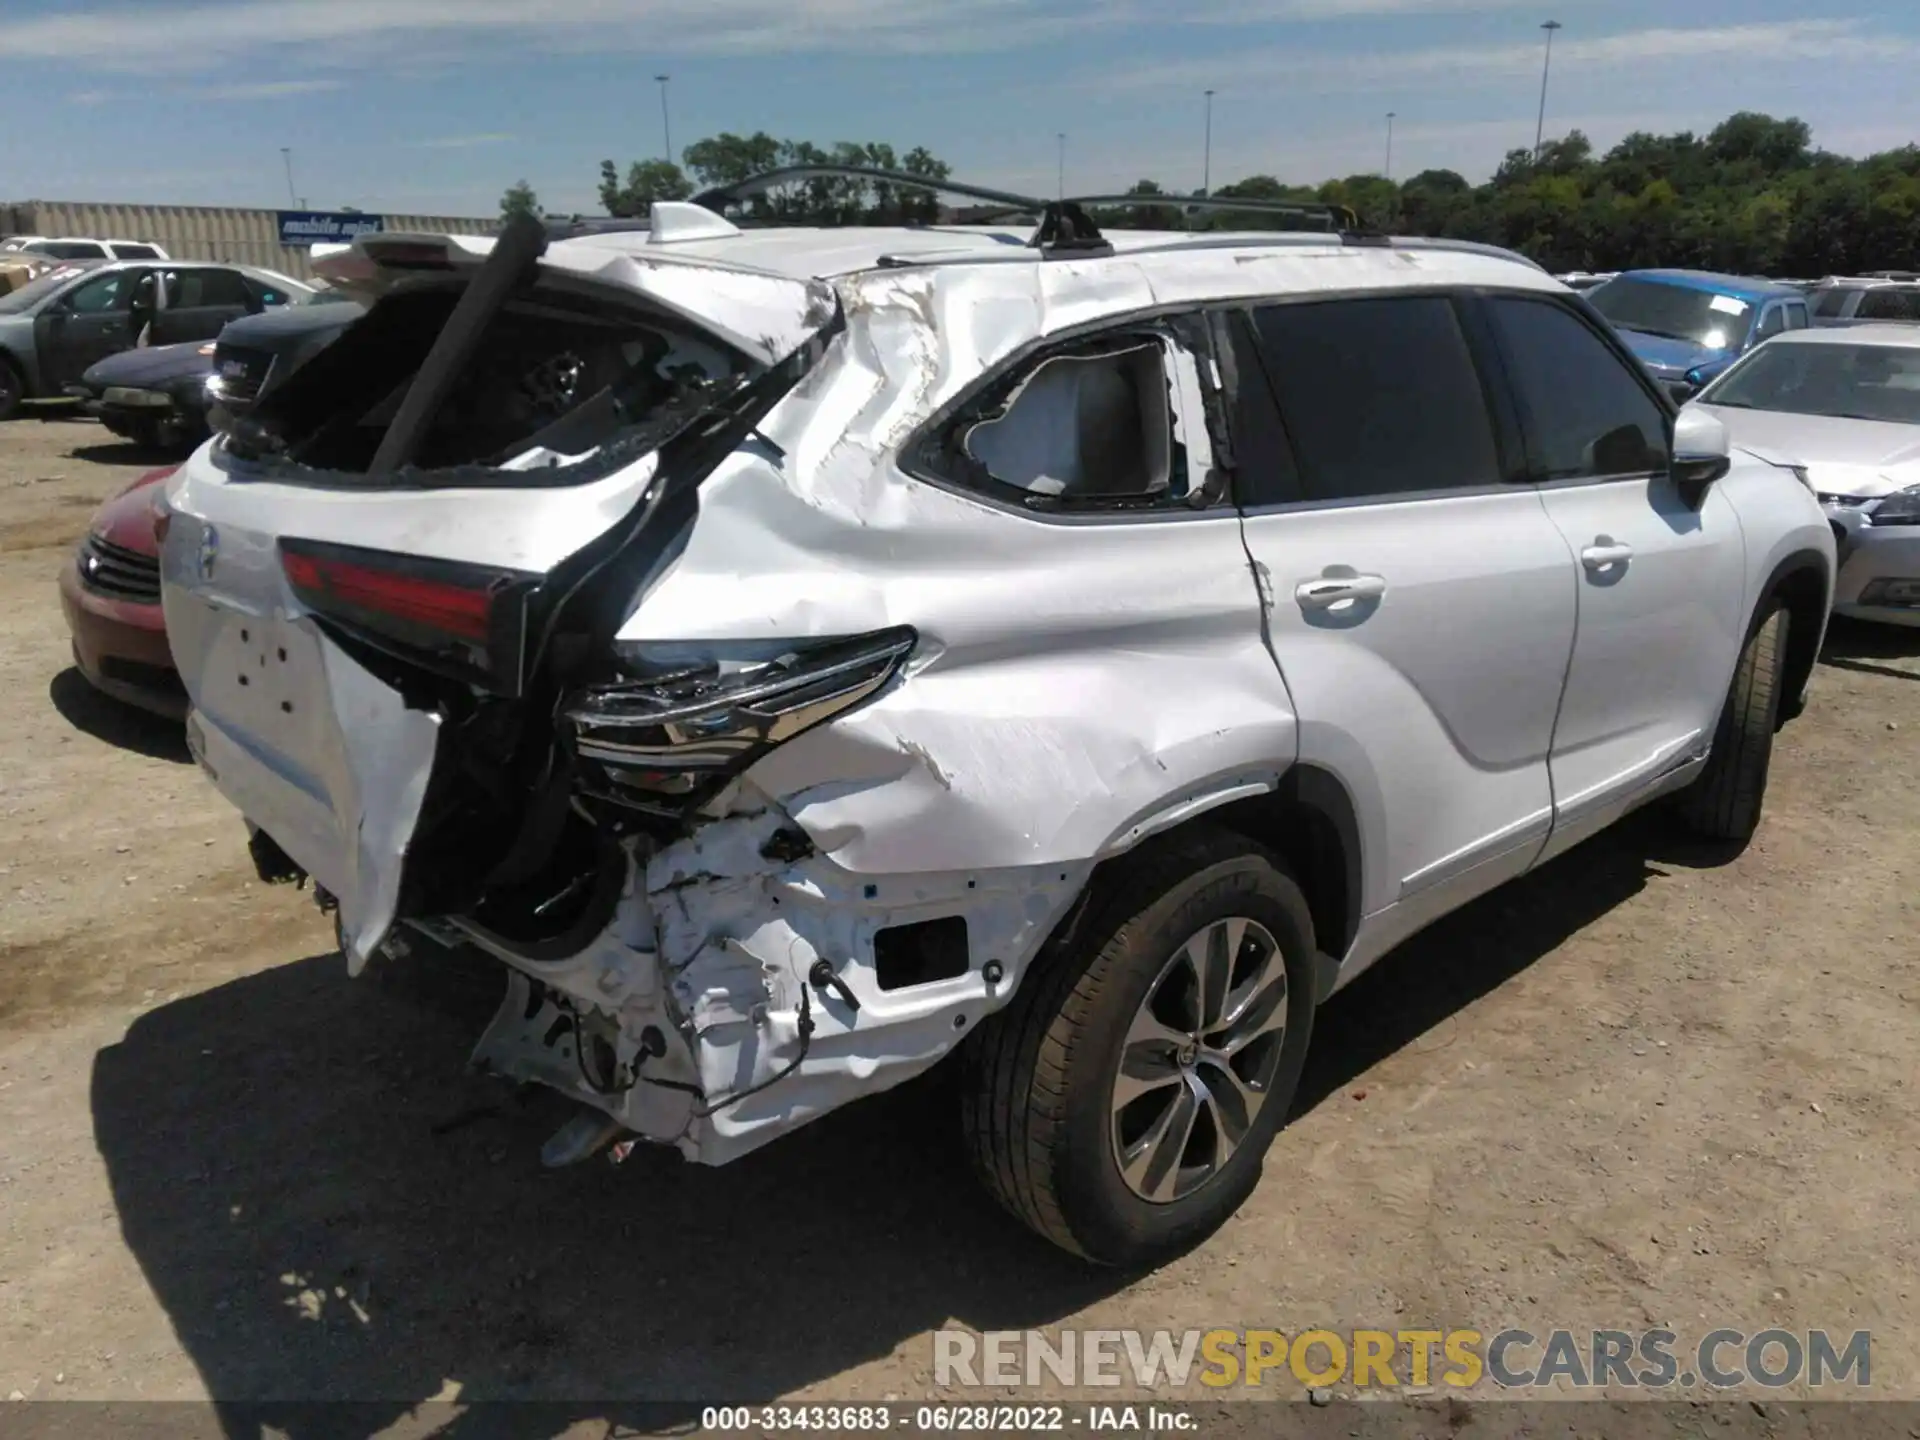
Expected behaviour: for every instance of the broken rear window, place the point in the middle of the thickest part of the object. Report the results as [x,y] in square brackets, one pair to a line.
[559,373]
[1122,421]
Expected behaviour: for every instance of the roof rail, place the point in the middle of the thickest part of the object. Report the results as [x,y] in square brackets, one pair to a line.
[1340,219]
[1065,228]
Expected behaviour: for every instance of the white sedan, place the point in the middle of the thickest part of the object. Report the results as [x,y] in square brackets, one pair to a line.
[1844,406]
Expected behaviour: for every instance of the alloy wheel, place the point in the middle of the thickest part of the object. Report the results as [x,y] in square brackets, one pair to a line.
[1199,1059]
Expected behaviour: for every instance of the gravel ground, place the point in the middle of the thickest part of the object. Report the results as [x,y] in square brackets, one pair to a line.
[1649,1085]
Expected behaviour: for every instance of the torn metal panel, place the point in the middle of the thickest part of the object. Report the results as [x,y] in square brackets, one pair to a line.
[713,950]
[1044,715]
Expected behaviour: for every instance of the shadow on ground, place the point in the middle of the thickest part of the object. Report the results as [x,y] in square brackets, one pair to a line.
[1868,648]
[284,1168]
[116,722]
[128,452]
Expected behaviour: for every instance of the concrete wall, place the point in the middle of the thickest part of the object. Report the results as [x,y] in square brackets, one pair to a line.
[201,232]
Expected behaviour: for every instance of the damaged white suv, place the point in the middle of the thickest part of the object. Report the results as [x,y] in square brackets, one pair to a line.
[801,655]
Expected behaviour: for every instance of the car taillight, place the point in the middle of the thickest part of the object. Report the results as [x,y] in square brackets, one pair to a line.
[465,621]
[669,741]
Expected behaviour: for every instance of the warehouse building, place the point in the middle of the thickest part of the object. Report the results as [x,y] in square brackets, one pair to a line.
[275,239]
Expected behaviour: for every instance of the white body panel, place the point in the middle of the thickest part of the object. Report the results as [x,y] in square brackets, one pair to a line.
[1663,610]
[1081,681]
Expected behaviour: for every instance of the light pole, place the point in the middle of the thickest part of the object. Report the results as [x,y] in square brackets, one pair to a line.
[1206,166]
[666,124]
[1546,69]
[1062,138]
[1389,171]
[286,155]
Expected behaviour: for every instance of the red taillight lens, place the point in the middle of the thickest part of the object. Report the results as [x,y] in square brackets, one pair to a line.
[437,604]
[461,620]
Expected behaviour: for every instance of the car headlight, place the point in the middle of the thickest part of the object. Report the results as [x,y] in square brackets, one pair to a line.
[1900,508]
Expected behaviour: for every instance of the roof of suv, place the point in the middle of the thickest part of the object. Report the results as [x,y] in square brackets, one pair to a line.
[1750,288]
[824,253]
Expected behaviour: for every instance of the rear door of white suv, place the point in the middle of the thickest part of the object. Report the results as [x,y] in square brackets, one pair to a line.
[1422,603]
[1661,575]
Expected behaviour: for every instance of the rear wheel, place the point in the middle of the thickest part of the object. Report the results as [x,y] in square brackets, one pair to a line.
[1724,802]
[1122,1103]
[13,389]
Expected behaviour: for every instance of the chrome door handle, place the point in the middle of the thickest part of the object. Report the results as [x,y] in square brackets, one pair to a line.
[1605,553]
[1323,594]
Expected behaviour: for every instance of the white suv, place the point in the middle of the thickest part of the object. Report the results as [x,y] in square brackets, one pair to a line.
[803,654]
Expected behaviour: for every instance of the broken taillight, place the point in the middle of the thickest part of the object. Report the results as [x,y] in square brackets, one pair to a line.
[465,621]
[669,741]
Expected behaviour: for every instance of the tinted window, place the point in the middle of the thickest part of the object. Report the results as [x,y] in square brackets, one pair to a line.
[199,289]
[1887,304]
[109,292]
[1264,472]
[1831,303]
[1585,411]
[68,249]
[134,252]
[1380,397]
[1773,321]
[1796,316]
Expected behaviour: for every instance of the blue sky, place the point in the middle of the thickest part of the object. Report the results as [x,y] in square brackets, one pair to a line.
[435,106]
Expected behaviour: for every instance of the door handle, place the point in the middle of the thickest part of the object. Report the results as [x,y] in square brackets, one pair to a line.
[1322,593]
[1604,553]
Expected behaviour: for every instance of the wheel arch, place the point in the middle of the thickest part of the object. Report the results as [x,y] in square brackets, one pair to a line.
[1803,583]
[1307,818]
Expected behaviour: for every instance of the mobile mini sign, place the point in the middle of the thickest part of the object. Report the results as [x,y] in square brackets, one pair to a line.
[326,227]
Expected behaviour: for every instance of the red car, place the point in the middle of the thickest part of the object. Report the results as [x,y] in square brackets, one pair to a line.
[110,590]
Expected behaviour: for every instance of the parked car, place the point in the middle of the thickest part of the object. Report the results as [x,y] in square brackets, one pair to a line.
[110,591]
[76,247]
[167,395]
[263,350]
[54,328]
[1845,406]
[155,396]
[1689,325]
[1846,302]
[799,655]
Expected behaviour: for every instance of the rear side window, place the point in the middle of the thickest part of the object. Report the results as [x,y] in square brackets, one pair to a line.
[205,289]
[1888,304]
[1584,411]
[1796,315]
[68,249]
[1772,321]
[1832,302]
[1379,396]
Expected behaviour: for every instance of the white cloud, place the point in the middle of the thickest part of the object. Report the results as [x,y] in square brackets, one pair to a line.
[460,142]
[1832,41]
[265,89]
[206,34]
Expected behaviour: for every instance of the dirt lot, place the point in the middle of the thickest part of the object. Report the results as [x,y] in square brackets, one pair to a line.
[1650,1085]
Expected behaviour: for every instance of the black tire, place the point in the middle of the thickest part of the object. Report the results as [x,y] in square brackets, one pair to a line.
[1724,802]
[13,388]
[1038,1077]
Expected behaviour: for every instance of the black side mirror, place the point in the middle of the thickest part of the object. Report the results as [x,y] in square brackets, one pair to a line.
[1682,391]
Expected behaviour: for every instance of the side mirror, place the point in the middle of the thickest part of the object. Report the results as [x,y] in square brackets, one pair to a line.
[1702,453]
[1682,390]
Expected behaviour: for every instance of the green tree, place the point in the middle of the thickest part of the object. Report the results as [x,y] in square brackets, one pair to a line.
[647,181]
[520,200]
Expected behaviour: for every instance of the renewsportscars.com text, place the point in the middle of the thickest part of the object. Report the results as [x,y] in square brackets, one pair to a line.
[1389,1359]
